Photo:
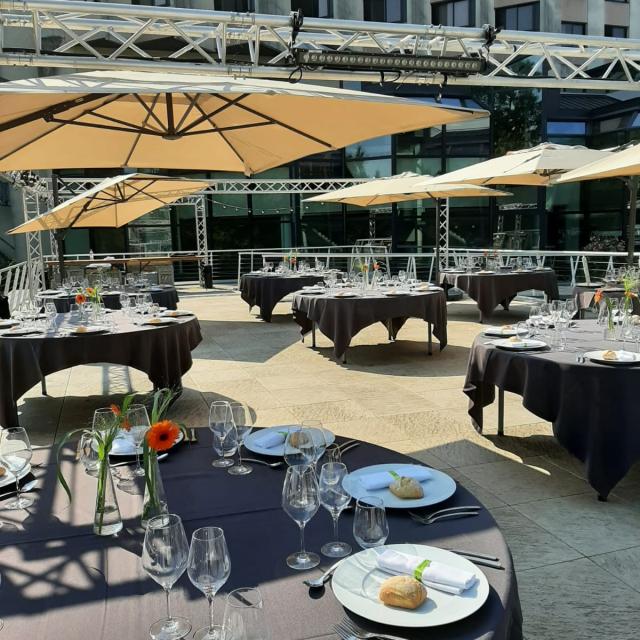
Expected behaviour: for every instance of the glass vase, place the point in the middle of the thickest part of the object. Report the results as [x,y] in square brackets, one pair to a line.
[155,499]
[107,520]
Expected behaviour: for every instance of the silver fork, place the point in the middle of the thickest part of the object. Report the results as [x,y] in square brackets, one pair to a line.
[444,514]
[273,465]
[347,630]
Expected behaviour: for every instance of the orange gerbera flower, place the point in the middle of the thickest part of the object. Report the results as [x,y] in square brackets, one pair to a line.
[90,291]
[81,298]
[630,294]
[162,435]
[116,410]
[598,296]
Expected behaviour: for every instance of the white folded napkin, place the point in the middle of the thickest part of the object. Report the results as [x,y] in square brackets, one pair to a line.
[382,479]
[433,574]
[270,439]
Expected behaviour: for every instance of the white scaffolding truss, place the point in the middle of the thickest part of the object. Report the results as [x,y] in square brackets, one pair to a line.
[95,35]
[33,204]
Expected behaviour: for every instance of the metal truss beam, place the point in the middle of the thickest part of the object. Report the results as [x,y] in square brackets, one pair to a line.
[33,205]
[443,233]
[94,35]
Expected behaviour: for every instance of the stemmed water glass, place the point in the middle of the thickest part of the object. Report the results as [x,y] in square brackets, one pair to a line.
[243,425]
[320,437]
[165,555]
[301,501]
[334,499]
[244,615]
[139,424]
[299,447]
[209,567]
[545,316]
[15,455]
[370,526]
[88,448]
[221,425]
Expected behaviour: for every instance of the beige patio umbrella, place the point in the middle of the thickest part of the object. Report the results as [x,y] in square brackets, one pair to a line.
[622,163]
[138,119]
[113,202]
[538,166]
[403,187]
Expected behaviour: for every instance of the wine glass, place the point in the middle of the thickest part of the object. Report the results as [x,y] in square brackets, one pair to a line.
[300,501]
[15,455]
[332,453]
[370,526]
[299,447]
[243,424]
[334,499]
[571,307]
[88,448]
[321,437]
[221,425]
[244,615]
[139,424]
[545,315]
[165,554]
[209,567]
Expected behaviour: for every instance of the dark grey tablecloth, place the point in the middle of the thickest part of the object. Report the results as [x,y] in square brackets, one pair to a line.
[163,353]
[266,291]
[61,581]
[584,296]
[491,289]
[342,318]
[165,298]
[592,407]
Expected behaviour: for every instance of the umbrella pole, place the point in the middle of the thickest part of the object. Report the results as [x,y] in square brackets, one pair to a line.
[58,233]
[631,229]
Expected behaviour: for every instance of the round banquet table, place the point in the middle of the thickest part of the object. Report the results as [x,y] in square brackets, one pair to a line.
[340,319]
[163,352]
[591,406]
[58,577]
[265,291]
[165,297]
[492,289]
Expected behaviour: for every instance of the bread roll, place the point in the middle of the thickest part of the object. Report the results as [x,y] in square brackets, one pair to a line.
[610,355]
[402,591]
[406,488]
[2,471]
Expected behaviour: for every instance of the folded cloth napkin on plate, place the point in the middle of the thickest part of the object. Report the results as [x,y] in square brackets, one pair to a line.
[382,479]
[431,573]
[270,439]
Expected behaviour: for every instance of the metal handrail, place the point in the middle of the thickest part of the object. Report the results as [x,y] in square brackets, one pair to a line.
[14,284]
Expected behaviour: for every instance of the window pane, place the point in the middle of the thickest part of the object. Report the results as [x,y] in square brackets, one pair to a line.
[369,168]
[234,5]
[461,13]
[370,148]
[394,11]
[149,238]
[312,8]
[374,10]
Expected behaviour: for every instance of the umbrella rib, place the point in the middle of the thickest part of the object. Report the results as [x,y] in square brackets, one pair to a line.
[281,124]
[126,128]
[188,110]
[207,116]
[144,124]
[149,110]
[235,127]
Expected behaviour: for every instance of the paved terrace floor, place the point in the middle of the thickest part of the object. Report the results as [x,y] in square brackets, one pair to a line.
[577,559]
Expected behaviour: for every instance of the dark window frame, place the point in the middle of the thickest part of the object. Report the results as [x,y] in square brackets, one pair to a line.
[502,16]
[315,11]
[577,28]
[437,7]
[611,27]
[370,8]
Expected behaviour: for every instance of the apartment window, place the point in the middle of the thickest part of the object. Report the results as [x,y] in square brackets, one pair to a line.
[455,13]
[385,10]
[574,28]
[242,6]
[522,17]
[313,8]
[613,31]
[154,3]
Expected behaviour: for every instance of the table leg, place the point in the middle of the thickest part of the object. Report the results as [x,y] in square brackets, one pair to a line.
[44,386]
[344,357]
[500,412]
[429,340]
[389,330]
[602,498]
[313,335]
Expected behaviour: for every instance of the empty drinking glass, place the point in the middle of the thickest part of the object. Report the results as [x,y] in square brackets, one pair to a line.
[243,424]
[299,447]
[244,615]
[334,499]
[138,420]
[165,554]
[88,449]
[332,453]
[300,501]
[221,426]
[209,567]
[370,526]
[15,455]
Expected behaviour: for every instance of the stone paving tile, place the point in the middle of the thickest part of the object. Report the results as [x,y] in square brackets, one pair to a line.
[622,564]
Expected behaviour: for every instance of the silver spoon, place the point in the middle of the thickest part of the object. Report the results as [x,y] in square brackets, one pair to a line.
[29,486]
[316,583]
[273,465]
[162,456]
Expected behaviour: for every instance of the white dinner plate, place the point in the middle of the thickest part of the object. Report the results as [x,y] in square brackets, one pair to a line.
[396,294]
[436,489]
[250,440]
[155,322]
[6,324]
[176,313]
[346,294]
[123,445]
[356,583]
[8,478]
[76,331]
[598,356]
[485,272]
[503,331]
[21,331]
[527,344]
